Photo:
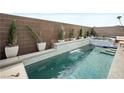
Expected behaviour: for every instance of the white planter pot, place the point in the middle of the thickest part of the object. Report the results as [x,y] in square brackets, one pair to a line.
[73,38]
[41,46]
[61,41]
[11,51]
[81,37]
[92,36]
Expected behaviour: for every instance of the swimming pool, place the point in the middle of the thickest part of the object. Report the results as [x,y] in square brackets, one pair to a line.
[84,63]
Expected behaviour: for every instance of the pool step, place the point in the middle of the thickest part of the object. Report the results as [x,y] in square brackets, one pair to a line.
[108,53]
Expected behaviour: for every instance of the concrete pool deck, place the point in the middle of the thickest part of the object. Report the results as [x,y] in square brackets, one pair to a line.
[117,67]
[16,71]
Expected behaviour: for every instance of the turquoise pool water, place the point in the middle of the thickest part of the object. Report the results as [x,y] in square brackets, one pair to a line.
[83,63]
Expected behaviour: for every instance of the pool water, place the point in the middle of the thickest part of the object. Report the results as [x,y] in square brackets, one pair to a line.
[84,63]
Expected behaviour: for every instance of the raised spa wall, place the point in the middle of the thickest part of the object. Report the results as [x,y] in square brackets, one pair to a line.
[59,48]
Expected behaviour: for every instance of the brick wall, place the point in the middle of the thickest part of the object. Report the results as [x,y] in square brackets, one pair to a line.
[48,31]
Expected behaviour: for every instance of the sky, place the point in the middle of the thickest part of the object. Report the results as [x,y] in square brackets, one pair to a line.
[61,6]
[84,19]
[67,6]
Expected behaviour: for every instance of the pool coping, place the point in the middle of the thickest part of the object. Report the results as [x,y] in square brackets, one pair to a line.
[18,59]
[117,68]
